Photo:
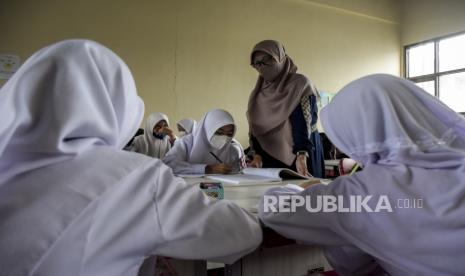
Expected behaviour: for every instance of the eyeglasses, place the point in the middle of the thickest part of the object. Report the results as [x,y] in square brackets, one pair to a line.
[266,61]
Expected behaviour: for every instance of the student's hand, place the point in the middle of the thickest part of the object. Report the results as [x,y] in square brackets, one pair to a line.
[170,133]
[256,162]
[218,169]
[301,165]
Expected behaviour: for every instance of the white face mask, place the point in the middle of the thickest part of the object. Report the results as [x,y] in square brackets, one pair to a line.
[182,133]
[219,141]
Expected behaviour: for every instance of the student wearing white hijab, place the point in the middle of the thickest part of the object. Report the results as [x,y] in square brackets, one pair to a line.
[209,149]
[412,148]
[186,126]
[71,201]
[158,138]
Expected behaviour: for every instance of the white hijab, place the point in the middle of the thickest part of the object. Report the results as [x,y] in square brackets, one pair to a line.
[38,106]
[188,125]
[76,101]
[149,144]
[386,120]
[412,147]
[201,146]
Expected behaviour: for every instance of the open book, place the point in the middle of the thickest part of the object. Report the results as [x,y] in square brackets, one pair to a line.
[258,175]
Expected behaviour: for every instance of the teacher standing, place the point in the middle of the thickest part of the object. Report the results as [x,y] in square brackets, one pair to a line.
[282,114]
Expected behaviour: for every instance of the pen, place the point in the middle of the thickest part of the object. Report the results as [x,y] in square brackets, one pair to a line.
[216,157]
[354,169]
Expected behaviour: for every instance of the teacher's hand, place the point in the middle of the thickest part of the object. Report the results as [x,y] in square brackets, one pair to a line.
[301,165]
[256,162]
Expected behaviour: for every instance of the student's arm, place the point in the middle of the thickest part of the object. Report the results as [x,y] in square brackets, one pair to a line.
[239,150]
[315,228]
[238,157]
[151,212]
[176,159]
[171,136]
[196,227]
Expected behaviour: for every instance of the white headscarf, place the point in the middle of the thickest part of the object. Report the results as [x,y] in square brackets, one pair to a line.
[38,106]
[386,120]
[150,145]
[188,125]
[413,148]
[201,146]
[76,101]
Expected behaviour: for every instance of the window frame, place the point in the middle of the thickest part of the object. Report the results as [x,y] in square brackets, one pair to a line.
[435,76]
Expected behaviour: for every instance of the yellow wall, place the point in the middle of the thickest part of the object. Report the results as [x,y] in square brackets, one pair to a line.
[387,10]
[189,56]
[425,19]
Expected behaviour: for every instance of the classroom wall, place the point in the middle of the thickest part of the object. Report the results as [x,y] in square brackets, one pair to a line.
[425,19]
[190,56]
[387,10]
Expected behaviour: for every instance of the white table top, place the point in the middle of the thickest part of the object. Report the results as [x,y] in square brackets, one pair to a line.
[289,260]
[247,195]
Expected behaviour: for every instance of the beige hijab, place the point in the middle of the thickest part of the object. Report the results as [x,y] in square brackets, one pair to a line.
[271,104]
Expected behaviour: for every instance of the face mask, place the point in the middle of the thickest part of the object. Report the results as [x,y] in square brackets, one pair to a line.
[270,72]
[182,133]
[159,136]
[219,141]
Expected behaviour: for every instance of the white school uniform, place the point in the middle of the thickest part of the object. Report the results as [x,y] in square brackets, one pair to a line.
[188,125]
[193,152]
[71,201]
[148,144]
[412,147]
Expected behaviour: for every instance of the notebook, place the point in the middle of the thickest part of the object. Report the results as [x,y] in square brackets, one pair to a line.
[258,175]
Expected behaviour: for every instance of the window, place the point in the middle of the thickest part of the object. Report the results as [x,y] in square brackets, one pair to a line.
[438,66]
